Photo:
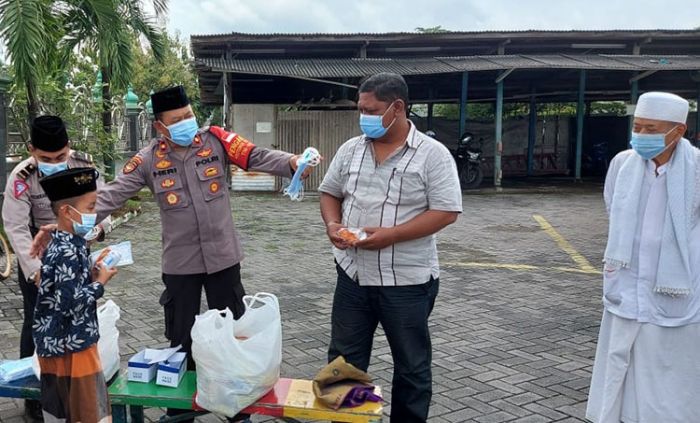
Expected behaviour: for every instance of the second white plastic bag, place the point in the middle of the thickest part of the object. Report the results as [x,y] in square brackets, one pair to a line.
[108,346]
[238,361]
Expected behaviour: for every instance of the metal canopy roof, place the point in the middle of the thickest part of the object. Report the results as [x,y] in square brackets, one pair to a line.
[358,68]
[278,68]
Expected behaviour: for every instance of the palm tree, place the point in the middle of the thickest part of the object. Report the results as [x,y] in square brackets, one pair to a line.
[109,27]
[31,32]
[41,35]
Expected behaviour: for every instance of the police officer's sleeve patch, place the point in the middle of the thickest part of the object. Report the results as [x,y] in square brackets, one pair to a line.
[132,165]
[20,188]
[238,149]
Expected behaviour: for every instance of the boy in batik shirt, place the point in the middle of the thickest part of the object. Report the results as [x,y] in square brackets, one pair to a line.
[65,330]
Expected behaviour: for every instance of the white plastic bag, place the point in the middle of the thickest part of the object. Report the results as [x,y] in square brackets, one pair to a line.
[238,361]
[108,346]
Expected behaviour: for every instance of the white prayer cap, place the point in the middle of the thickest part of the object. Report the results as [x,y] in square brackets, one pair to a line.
[662,106]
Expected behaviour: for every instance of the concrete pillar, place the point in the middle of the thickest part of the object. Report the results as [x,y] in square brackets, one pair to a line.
[463,104]
[580,115]
[498,144]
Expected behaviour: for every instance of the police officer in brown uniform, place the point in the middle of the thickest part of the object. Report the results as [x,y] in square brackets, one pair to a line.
[26,208]
[186,171]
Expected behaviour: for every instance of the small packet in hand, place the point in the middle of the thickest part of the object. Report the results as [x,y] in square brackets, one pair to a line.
[121,254]
[111,259]
[352,235]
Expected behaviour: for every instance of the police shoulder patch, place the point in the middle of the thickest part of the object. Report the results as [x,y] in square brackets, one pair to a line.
[132,165]
[26,171]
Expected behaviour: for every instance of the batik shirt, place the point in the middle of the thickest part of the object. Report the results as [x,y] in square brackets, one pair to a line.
[65,318]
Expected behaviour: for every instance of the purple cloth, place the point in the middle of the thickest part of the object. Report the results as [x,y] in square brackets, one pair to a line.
[360,395]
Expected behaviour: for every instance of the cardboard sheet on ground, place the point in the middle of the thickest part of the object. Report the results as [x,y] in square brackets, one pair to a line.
[124,250]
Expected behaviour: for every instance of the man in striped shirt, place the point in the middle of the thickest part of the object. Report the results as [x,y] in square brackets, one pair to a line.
[401,187]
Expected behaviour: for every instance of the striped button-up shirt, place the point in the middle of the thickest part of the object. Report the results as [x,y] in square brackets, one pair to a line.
[419,176]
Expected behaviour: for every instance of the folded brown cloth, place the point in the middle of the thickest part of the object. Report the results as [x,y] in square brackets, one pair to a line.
[340,384]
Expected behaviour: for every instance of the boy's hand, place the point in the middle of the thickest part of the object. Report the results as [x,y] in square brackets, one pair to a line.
[104,274]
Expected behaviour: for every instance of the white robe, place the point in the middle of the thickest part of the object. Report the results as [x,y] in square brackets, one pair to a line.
[644,372]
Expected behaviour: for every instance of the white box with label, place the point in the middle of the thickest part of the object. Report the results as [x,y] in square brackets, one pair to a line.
[171,370]
[139,369]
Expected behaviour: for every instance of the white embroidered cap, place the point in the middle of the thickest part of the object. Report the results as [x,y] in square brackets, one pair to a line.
[662,106]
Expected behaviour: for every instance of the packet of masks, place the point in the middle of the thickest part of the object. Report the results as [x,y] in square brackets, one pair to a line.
[115,255]
[12,370]
[352,235]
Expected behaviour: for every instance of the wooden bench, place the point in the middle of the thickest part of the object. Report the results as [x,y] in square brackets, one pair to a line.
[290,399]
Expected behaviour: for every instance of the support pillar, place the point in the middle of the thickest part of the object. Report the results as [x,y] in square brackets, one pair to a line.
[531,135]
[580,115]
[463,104]
[498,144]
[634,95]
[429,122]
[227,101]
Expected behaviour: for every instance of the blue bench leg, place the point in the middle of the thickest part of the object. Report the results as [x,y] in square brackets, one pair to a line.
[119,414]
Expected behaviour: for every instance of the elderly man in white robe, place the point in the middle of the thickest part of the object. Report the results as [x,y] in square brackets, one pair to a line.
[647,364]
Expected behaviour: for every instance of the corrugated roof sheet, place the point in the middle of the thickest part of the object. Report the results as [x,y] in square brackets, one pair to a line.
[354,68]
[442,34]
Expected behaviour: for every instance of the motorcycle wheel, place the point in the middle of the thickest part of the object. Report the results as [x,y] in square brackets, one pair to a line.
[471,177]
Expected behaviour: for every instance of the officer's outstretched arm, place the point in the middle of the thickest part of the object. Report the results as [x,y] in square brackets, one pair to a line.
[247,156]
[113,195]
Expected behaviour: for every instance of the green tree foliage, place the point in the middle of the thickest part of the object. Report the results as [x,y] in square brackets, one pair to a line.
[43,38]
[175,68]
[432,30]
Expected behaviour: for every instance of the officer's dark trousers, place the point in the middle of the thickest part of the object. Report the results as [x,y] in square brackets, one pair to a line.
[29,294]
[181,303]
[403,313]
[26,343]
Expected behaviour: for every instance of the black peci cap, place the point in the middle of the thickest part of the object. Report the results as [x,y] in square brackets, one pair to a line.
[70,183]
[169,99]
[48,133]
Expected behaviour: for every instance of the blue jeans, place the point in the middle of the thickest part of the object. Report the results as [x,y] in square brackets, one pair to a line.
[403,312]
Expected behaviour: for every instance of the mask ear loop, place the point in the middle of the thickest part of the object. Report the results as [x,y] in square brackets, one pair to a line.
[394,120]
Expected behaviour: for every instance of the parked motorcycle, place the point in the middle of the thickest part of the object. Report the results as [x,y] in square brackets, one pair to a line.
[468,157]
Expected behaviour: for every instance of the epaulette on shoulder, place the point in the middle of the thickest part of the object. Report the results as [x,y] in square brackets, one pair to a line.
[83,157]
[26,171]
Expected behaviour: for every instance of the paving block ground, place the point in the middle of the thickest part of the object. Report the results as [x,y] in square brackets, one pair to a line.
[514,327]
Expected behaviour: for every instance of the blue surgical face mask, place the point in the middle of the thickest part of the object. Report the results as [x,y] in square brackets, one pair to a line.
[87,222]
[48,169]
[183,132]
[372,125]
[649,146]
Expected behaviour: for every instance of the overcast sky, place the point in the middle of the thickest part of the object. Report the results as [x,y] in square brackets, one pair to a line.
[266,16]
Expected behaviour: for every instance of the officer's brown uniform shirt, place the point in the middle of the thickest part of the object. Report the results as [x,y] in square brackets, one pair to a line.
[198,234]
[26,205]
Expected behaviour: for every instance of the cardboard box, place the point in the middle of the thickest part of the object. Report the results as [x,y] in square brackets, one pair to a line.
[139,369]
[171,370]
